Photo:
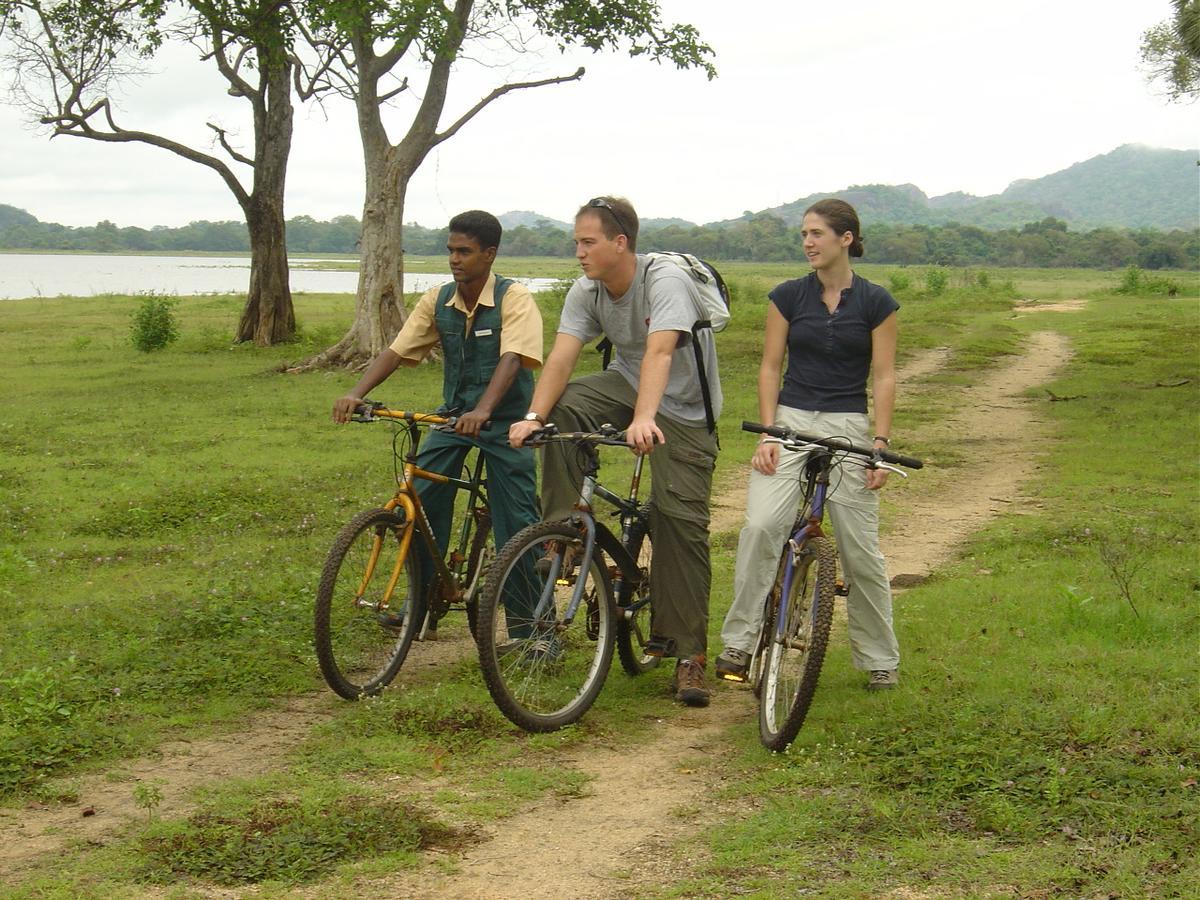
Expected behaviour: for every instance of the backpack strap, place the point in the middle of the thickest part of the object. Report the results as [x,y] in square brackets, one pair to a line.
[603,346]
[701,323]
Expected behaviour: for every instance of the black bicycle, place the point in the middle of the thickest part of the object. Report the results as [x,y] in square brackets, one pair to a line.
[562,594]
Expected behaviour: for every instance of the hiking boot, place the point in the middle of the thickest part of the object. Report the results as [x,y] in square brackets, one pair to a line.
[883,679]
[733,665]
[689,682]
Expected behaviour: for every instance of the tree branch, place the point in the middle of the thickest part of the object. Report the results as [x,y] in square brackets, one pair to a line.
[228,149]
[78,125]
[497,93]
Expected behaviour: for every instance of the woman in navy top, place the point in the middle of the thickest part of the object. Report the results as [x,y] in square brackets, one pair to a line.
[836,330]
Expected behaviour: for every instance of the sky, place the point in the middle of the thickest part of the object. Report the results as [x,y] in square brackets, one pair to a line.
[810,97]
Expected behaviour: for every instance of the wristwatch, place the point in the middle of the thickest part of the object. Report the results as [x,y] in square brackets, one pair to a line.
[534,417]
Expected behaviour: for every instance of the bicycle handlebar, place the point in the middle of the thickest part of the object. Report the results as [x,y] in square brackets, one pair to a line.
[832,443]
[373,411]
[605,435]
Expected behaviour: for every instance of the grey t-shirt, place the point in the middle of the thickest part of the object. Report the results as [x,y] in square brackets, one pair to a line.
[661,299]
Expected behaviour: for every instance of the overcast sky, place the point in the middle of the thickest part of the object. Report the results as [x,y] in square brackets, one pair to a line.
[810,97]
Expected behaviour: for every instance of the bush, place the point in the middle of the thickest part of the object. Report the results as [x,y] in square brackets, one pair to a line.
[154,324]
[899,282]
[1137,283]
[936,281]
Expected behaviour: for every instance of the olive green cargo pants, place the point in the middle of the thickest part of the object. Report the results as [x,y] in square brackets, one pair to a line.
[681,479]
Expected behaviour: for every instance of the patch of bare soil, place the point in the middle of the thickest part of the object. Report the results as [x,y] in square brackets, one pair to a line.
[1036,306]
[648,807]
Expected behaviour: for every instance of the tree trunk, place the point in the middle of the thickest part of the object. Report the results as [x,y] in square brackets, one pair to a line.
[268,317]
[379,309]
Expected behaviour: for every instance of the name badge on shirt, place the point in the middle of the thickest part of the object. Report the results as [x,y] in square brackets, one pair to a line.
[483,332]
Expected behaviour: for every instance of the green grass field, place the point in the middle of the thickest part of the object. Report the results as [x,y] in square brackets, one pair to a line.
[164,516]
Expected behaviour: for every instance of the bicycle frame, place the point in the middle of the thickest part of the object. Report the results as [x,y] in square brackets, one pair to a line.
[821,461]
[407,499]
[598,533]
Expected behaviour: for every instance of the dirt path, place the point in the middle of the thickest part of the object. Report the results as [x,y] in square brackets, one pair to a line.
[628,811]
[607,836]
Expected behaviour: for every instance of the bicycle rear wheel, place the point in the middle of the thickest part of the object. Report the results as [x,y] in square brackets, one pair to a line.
[362,633]
[633,631]
[542,671]
[793,665]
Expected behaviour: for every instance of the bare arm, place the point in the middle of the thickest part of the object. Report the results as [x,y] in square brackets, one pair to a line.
[550,386]
[883,386]
[471,422]
[643,433]
[376,373]
[775,332]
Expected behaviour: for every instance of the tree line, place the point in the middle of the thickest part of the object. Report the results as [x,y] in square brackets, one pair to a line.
[1047,243]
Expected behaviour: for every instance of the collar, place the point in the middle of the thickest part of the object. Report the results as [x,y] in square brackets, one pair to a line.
[487,297]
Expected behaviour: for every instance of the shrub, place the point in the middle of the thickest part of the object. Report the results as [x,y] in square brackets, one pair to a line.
[936,281]
[154,324]
[899,282]
[1136,282]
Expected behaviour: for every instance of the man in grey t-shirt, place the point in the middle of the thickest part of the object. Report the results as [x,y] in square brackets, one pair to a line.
[652,390]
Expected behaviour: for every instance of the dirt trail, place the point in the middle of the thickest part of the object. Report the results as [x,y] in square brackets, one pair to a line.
[628,810]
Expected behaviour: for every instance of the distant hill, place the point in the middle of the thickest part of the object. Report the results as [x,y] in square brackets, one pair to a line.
[530,220]
[10,215]
[655,224]
[1131,187]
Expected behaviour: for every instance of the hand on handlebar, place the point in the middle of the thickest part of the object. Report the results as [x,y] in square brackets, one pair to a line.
[642,436]
[519,432]
[343,408]
[766,457]
[470,423]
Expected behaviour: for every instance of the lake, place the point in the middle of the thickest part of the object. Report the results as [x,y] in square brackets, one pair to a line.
[85,275]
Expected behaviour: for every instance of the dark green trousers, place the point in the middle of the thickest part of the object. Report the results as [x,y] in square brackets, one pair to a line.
[511,488]
[680,482]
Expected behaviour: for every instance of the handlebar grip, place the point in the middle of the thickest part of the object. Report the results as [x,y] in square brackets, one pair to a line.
[833,443]
[772,430]
[909,462]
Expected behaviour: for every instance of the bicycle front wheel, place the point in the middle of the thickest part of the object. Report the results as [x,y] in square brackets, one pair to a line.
[633,627]
[793,661]
[369,605]
[543,665]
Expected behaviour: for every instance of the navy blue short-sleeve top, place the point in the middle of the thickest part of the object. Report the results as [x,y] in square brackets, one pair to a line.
[829,354]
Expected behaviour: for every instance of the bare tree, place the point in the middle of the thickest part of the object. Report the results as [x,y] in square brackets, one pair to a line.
[362,44]
[68,56]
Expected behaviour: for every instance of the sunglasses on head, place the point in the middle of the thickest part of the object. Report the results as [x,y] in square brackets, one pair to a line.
[601,203]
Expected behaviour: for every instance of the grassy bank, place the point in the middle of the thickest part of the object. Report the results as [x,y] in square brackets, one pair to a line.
[163,519]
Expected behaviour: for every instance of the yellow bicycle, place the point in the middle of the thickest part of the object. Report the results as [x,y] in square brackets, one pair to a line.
[370,605]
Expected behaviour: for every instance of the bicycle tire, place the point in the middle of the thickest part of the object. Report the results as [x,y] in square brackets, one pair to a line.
[479,559]
[762,643]
[793,666]
[634,632]
[358,653]
[545,674]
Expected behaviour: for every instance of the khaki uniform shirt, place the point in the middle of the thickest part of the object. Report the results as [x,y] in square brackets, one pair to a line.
[521,329]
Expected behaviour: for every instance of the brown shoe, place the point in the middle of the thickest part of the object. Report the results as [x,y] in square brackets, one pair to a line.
[689,682]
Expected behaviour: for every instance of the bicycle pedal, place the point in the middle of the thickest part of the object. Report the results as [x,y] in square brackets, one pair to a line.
[841,589]
[659,646]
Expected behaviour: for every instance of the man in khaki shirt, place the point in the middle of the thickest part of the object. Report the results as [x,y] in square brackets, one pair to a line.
[490,331]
